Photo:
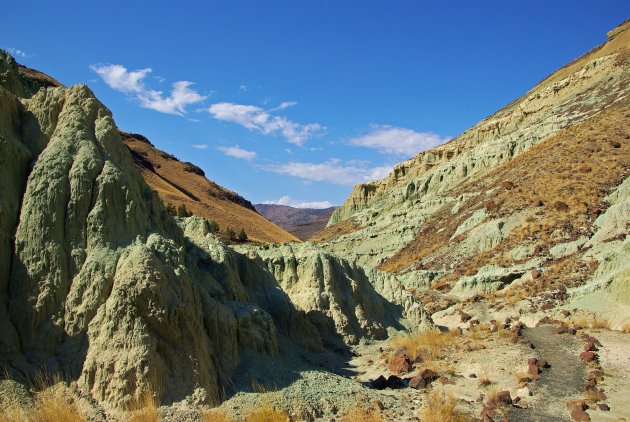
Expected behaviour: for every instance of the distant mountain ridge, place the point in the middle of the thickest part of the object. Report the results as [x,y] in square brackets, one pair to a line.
[301,222]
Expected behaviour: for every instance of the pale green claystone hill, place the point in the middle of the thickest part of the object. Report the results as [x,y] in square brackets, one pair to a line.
[99,283]
[391,211]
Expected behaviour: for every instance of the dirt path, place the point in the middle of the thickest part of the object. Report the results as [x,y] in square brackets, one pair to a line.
[562,382]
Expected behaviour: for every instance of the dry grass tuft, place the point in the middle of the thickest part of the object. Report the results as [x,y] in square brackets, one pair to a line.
[626,327]
[600,323]
[428,346]
[12,412]
[144,408]
[484,381]
[592,322]
[362,413]
[442,407]
[52,403]
[217,415]
[266,413]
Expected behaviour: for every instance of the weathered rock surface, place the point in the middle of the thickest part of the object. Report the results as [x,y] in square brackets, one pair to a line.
[100,283]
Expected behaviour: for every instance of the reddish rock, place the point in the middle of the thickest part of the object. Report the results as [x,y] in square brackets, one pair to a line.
[446,381]
[379,404]
[465,317]
[533,369]
[488,414]
[561,206]
[604,407]
[400,364]
[546,306]
[565,313]
[589,346]
[508,185]
[535,274]
[561,330]
[423,379]
[504,397]
[580,415]
[577,404]
[588,356]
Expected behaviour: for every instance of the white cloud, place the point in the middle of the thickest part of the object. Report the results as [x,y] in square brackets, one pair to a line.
[131,83]
[17,52]
[200,146]
[238,152]
[243,87]
[398,141]
[332,171]
[290,202]
[261,120]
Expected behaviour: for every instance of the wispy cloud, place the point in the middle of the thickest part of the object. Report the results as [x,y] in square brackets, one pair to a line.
[398,141]
[238,152]
[290,202]
[121,79]
[261,120]
[200,146]
[332,171]
[243,87]
[16,52]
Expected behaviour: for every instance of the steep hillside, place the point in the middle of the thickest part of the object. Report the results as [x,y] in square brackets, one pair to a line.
[380,218]
[301,222]
[180,183]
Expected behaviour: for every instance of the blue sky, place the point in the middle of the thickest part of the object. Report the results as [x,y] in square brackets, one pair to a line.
[296,101]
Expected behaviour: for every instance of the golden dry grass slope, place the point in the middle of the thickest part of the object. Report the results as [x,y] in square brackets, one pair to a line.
[178,183]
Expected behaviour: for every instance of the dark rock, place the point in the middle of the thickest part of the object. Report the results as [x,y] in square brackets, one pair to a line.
[604,407]
[395,382]
[565,313]
[379,404]
[535,274]
[465,317]
[380,383]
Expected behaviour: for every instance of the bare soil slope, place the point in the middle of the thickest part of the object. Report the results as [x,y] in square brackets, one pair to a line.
[180,183]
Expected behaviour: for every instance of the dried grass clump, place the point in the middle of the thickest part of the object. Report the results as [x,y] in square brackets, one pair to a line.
[592,322]
[600,323]
[427,346]
[442,407]
[144,407]
[52,403]
[217,415]
[484,381]
[12,412]
[362,413]
[266,413]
